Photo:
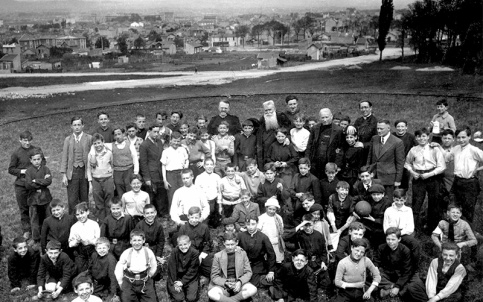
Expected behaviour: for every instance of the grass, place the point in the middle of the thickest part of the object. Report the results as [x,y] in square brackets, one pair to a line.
[53,123]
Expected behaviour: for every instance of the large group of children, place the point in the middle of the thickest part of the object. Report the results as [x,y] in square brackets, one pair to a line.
[237,226]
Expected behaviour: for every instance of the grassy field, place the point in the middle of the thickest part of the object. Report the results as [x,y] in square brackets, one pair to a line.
[343,90]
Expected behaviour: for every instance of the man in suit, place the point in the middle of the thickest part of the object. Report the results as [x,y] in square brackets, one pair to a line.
[234,126]
[269,123]
[325,143]
[366,125]
[151,170]
[231,273]
[73,166]
[386,155]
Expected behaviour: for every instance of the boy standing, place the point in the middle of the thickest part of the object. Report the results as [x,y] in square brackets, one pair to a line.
[104,129]
[224,148]
[272,186]
[441,120]
[304,182]
[140,125]
[328,186]
[252,176]
[125,161]
[116,228]
[245,146]
[197,151]
[230,189]
[209,183]
[19,162]
[135,270]
[73,166]
[37,180]
[23,263]
[183,276]
[132,138]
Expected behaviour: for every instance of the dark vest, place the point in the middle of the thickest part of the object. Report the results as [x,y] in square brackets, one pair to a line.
[443,278]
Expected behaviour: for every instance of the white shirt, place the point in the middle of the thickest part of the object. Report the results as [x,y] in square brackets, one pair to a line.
[299,138]
[92,298]
[402,219]
[88,232]
[209,183]
[134,203]
[186,197]
[175,159]
[138,263]
[466,160]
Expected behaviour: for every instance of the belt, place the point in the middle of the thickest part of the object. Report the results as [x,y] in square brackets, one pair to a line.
[231,198]
[463,178]
[132,277]
[424,171]
[173,171]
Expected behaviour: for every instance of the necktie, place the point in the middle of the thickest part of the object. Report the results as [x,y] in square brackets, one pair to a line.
[382,140]
[451,231]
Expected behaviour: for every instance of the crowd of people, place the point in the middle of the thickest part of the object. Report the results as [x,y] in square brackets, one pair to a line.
[304,207]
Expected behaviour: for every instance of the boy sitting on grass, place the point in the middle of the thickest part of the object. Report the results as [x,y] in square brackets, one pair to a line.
[356,231]
[101,269]
[340,208]
[351,275]
[183,277]
[23,264]
[56,270]
[83,287]
[57,227]
[242,210]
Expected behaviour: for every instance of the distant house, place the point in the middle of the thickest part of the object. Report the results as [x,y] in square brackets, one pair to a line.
[10,63]
[122,60]
[37,65]
[192,48]
[29,53]
[10,48]
[269,60]
[225,40]
[42,52]
[169,48]
[315,51]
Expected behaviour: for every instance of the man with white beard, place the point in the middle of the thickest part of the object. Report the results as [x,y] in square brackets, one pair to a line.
[325,144]
[266,134]
[234,126]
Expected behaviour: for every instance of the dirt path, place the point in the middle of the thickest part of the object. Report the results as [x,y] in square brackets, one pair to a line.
[176,79]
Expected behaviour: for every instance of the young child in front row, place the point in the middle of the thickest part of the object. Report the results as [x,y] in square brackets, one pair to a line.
[351,276]
[116,227]
[183,277]
[135,269]
[23,264]
[37,180]
[56,270]
[101,268]
[83,236]
[57,227]
[84,287]
[133,202]
[242,210]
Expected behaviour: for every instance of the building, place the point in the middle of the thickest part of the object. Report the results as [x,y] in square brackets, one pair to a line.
[192,49]
[225,40]
[269,60]
[11,48]
[10,63]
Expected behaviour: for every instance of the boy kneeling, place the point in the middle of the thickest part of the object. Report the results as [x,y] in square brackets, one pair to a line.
[23,264]
[183,277]
[135,269]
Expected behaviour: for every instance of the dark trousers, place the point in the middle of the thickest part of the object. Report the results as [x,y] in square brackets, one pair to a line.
[466,192]
[122,181]
[194,167]
[432,187]
[189,292]
[102,192]
[174,179]
[138,291]
[158,197]
[351,295]
[82,255]
[214,218]
[21,193]
[389,191]
[77,188]
[38,213]
[413,291]
[415,247]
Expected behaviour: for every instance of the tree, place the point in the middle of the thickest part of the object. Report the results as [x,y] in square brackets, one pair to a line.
[257,30]
[385,18]
[139,43]
[13,40]
[179,42]
[154,36]
[242,31]
[122,45]
[374,25]
[88,40]
[102,42]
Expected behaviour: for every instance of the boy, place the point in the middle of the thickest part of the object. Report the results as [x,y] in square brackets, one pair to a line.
[153,231]
[101,269]
[183,278]
[56,270]
[209,183]
[272,186]
[99,175]
[174,159]
[448,144]
[242,210]
[356,231]
[296,280]
[231,273]
[351,274]
[426,165]
[299,135]
[245,146]
[366,180]
[441,120]
[132,138]
[23,264]
[19,162]
[230,189]
[116,227]
[197,151]
[57,226]
[125,161]
[311,122]
[252,176]
[37,180]
[140,125]
[104,129]
[224,148]
[83,236]
[409,141]
[135,270]
[328,185]
[304,182]
[340,208]
[186,197]
[83,287]
[345,121]
[397,277]
[445,275]
[227,228]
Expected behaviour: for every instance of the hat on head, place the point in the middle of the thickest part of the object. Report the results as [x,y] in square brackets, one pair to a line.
[478,137]
[377,188]
[81,278]
[315,207]
[272,202]
[53,245]
[247,123]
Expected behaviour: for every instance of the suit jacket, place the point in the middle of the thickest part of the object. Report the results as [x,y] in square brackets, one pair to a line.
[67,162]
[388,159]
[150,160]
[266,138]
[360,192]
[335,142]
[219,269]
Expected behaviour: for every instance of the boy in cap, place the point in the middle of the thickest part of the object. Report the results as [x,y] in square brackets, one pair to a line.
[245,146]
[83,287]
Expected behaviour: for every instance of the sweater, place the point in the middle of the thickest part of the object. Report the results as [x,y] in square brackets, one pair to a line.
[25,267]
[63,270]
[349,271]
[183,266]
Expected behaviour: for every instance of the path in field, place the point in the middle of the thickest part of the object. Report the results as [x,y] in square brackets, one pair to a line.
[177,78]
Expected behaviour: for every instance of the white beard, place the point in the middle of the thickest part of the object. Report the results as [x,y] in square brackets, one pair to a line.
[271,122]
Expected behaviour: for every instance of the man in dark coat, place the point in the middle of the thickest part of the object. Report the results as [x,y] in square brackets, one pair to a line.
[234,126]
